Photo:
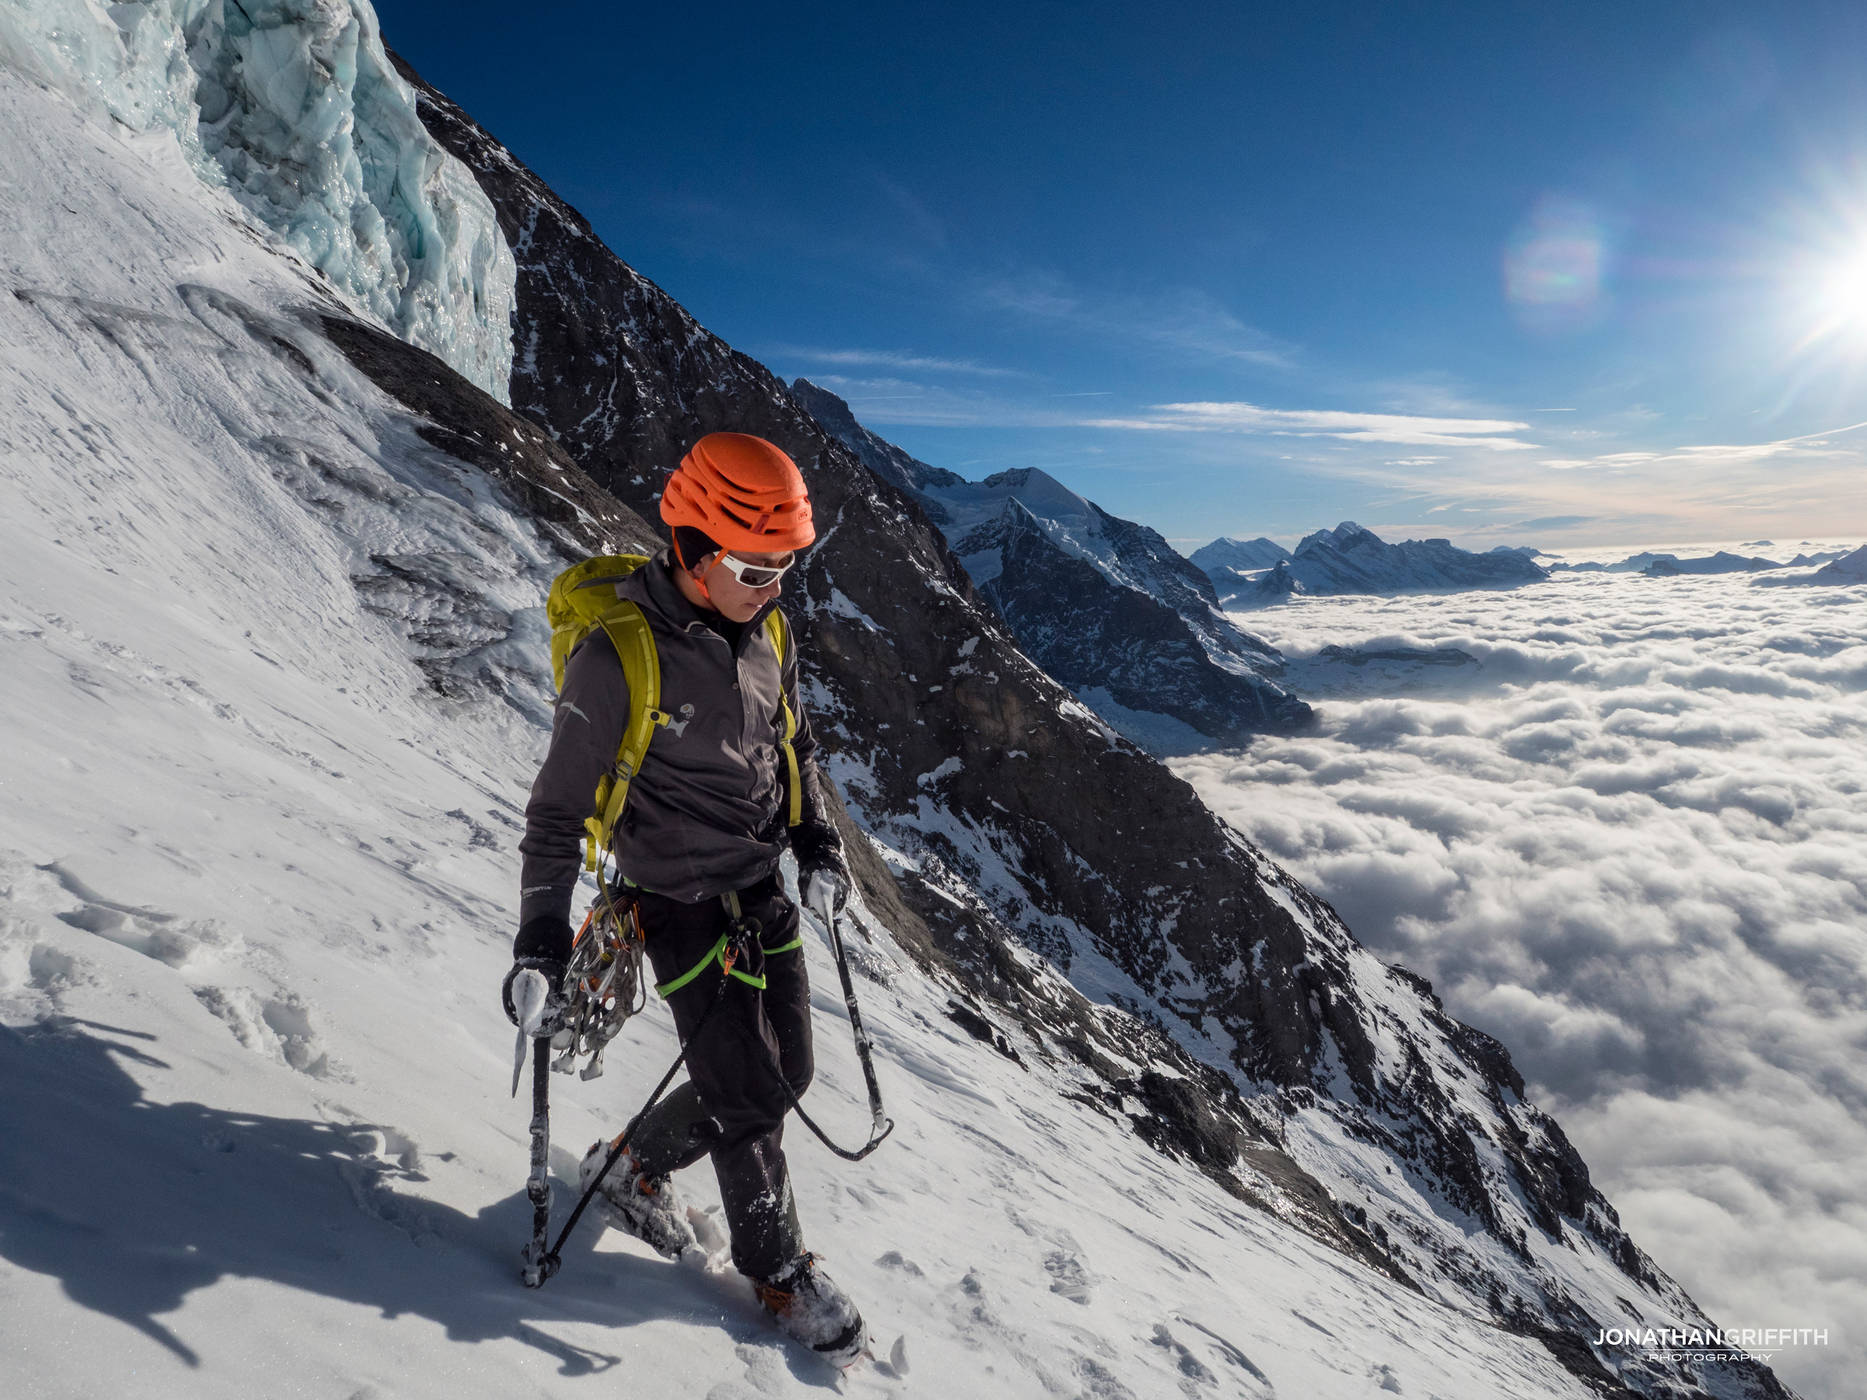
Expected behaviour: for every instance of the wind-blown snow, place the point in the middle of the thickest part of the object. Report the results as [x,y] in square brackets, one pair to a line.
[256,889]
[293,107]
[1618,821]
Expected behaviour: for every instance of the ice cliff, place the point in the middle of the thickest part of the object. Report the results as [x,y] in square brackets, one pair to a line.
[294,109]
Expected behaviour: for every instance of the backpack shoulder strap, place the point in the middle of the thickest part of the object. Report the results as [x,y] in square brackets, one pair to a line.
[579,598]
[584,598]
[628,631]
[779,631]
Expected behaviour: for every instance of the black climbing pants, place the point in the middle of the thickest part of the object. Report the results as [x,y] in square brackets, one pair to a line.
[732,1105]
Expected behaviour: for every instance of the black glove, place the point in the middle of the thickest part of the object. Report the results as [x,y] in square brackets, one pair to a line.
[543,945]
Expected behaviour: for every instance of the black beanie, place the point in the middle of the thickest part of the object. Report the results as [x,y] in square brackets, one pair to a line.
[691,545]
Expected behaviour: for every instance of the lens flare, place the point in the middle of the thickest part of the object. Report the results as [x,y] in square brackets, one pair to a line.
[1555,266]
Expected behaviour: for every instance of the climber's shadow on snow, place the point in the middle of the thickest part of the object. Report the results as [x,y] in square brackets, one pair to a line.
[133,1205]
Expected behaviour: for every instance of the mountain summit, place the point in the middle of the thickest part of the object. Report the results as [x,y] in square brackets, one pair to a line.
[1353,559]
[1103,604]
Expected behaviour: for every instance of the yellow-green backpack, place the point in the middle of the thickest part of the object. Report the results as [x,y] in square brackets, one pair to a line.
[585,597]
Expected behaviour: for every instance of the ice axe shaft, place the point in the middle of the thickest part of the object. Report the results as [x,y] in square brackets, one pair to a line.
[540,1261]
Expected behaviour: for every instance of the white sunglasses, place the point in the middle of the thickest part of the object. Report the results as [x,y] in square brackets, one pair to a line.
[754,575]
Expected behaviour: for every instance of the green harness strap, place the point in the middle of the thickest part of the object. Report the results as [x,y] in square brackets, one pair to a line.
[717,953]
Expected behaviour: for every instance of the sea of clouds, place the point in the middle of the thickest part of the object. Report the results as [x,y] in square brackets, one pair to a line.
[1628,837]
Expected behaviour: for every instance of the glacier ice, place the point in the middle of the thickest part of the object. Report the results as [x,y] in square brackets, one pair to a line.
[293,106]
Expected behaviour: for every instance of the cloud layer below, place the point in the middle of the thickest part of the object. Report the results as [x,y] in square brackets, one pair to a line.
[1630,840]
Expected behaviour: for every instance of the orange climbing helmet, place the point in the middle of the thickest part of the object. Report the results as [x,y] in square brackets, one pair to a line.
[742,493]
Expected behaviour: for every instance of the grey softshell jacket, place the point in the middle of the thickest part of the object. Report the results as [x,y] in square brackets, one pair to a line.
[707,812]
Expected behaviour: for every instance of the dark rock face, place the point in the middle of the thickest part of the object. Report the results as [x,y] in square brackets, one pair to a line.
[1239,591]
[1105,605]
[906,474]
[1095,636]
[1022,840]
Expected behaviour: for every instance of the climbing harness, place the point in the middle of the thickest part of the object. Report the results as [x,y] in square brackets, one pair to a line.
[742,933]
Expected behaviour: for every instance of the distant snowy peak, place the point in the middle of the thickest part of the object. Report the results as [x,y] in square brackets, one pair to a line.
[1261,590]
[1850,568]
[1103,604]
[296,110]
[1346,536]
[1805,560]
[1723,562]
[1353,559]
[971,504]
[1123,648]
[1242,555]
[1841,570]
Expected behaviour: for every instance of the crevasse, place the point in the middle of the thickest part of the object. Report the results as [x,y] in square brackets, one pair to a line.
[293,107]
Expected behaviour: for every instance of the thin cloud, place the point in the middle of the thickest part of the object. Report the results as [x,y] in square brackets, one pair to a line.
[890,400]
[1184,320]
[1712,454]
[1555,522]
[1397,428]
[892,359]
[926,226]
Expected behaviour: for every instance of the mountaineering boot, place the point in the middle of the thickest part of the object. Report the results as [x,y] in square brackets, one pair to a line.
[809,1305]
[646,1207]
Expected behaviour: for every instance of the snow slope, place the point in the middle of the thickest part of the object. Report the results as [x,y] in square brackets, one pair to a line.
[258,876]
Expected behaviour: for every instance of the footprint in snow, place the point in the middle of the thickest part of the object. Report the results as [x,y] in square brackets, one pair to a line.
[1234,1356]
[154,934]
[1194,1373]
[1067,1276]
[1384,1374]
[279,1028]
[51,972]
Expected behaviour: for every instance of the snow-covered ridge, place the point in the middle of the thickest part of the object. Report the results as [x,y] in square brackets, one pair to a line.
[1103,604]
[293,107]
[1224,553]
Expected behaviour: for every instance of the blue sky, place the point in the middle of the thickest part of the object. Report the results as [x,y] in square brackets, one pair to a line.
[1510,274]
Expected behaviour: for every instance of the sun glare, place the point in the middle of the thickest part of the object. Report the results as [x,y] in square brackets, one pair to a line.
[1830,282]
[1844,293]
